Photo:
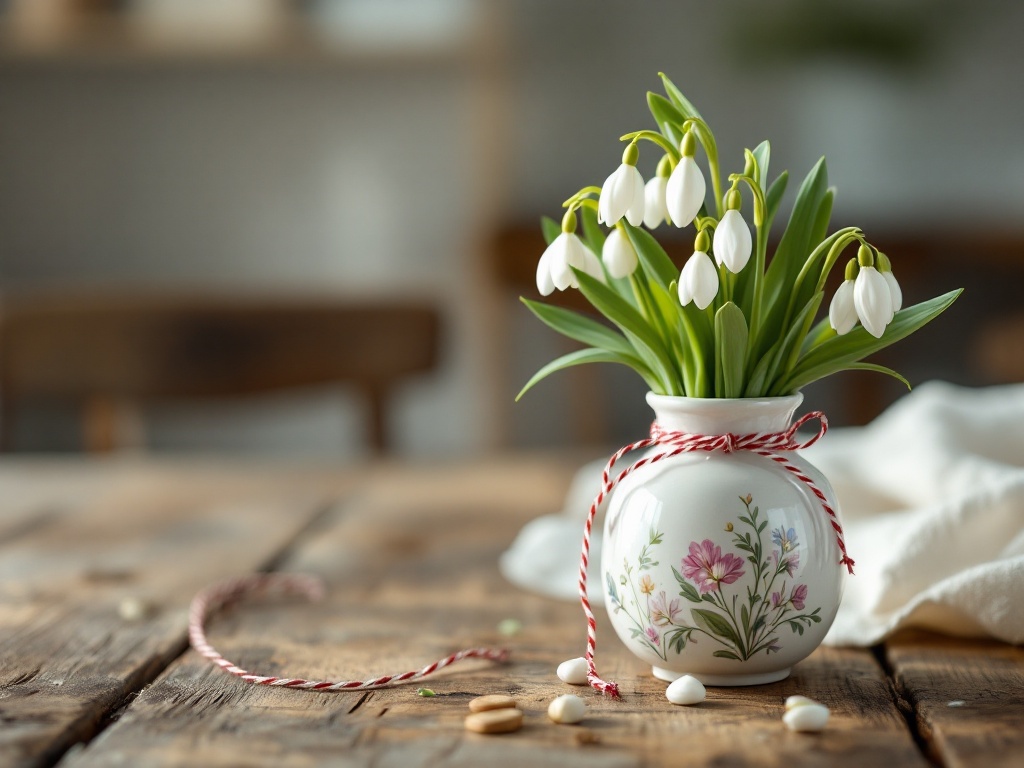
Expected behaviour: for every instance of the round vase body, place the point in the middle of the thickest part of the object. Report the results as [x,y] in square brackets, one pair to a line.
[721,565]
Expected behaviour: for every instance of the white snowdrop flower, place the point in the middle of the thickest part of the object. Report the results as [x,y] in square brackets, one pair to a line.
[895,292]
[698,282]
[871,296]
[623,192]
[684,193]
[618,254]
[655,207]
[567,251]
[732,243]
[842,315]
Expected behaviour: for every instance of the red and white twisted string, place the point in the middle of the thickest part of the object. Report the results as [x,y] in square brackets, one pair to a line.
[218,596]
[768,444]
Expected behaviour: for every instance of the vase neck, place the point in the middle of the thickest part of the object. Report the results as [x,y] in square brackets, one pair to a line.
[717,416]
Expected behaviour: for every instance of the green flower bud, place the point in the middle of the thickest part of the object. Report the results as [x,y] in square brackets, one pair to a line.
[702,242]
[688,146]
[631,153]
[665,167]
[733,200]
[865,256]
[883,263]
[852,268]
[569,221]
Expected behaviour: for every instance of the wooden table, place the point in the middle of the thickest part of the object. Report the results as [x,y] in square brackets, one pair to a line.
[409,555]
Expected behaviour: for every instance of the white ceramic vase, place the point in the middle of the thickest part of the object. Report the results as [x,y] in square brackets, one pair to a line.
[722,566]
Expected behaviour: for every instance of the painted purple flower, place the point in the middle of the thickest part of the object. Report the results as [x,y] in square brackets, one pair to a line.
[785,538]
[776,599]
[798,596]
[773,648]
[653,636]
[707,567]
[789,563]
[664,612]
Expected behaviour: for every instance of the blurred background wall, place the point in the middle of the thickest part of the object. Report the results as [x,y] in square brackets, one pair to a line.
[378,147]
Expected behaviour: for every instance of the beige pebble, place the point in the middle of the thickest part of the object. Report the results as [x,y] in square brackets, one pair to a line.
[567,709]
[491,701]
[573,671]
[798,701]
[135,609]
[806,718]
[503,720]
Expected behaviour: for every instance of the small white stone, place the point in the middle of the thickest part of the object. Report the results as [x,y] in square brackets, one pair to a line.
[807,718]
[686,690]
[798,701]
[567,709]
[573,671]
[134,609]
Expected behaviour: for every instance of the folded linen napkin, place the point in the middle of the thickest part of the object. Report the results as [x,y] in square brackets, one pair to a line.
[932,497]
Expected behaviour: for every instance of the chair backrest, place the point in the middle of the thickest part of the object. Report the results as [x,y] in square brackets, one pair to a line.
[106,348]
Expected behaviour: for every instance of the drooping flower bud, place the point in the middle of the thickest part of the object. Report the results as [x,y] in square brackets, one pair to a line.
[684,194]
[732,243]
[871,295]
[698,281]
[623,192]
[618,254]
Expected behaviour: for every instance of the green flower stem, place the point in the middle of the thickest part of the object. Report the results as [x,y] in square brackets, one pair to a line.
[582,195]
[657,138]
[741,647]
[760,256]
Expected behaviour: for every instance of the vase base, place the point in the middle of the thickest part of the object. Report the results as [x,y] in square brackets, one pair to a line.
[764,678]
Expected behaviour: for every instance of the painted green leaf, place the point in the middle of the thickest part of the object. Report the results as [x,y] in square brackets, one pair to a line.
[726,655]
[712,622]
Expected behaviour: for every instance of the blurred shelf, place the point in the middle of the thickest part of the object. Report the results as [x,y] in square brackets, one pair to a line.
[122,39]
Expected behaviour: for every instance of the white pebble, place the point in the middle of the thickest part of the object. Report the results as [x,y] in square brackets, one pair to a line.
[567,709]
[807,718]
[798,701]
[686,690]
[134,609]
[573,671]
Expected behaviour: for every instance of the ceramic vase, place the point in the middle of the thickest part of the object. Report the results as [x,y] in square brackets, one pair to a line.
[721,565]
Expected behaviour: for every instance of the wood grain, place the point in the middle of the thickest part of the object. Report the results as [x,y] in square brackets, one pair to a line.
[94,534]
[411,565]
[966,697]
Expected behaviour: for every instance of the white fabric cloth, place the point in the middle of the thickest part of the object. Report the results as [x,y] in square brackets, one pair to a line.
[932,498]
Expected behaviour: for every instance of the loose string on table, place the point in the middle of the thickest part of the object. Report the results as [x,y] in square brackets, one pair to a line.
[767,444]
[222,594]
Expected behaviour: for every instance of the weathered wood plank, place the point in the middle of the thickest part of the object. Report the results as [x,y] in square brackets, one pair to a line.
[412,576]
[967,697]
[81,539]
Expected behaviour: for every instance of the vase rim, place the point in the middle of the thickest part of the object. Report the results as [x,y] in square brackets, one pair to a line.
[718,415]
[713,402]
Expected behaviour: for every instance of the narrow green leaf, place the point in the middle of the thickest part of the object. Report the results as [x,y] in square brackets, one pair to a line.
[762,154]
[819,228]
[593,235]
[789,350]
[773,197]
[726,655]
[633,324]
[582,357]
[838,353]
[655,261]
[677,97]
[663,111]
[579,327]
[730,350]
[550,228]
[759,377]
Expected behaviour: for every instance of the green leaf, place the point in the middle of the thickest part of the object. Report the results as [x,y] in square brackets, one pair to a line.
[837,353]
[677,97]
[788,351]
[663,111]
[730,350]
[773,197]
[821,218]
[726,655]
[655,261]
[745,618]
[580,327]
[686,589]
[762,154]
[637,329]
[582,357]
[550,228]
[712,622]
[593,235]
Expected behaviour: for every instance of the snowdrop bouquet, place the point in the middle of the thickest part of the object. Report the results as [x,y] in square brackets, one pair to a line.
[732,322]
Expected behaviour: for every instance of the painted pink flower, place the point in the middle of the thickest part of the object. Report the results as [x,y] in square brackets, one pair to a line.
[664,612]
[653,636]
[790,562]
[776,599]
[798,596]
[707,567]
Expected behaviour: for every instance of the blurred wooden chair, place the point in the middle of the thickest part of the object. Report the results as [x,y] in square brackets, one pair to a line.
[111,353]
